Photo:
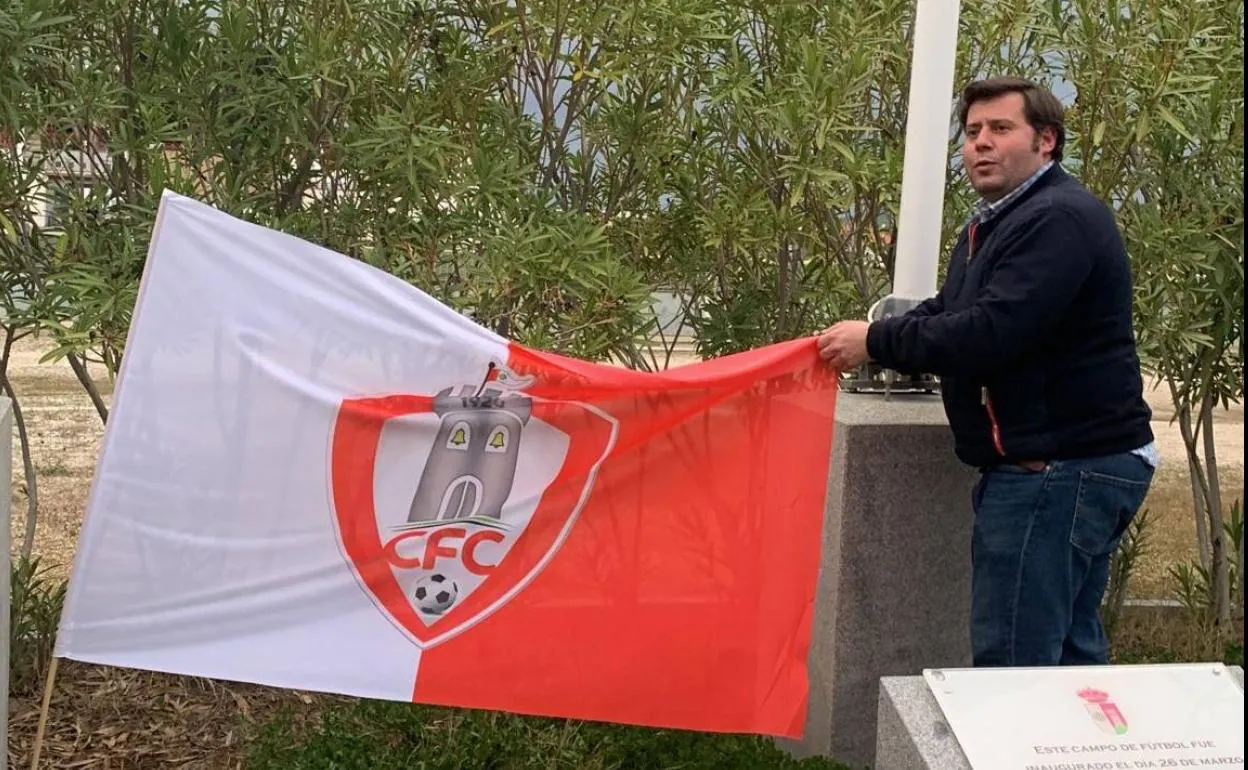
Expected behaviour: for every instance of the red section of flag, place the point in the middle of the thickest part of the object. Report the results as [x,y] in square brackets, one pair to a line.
[683,593]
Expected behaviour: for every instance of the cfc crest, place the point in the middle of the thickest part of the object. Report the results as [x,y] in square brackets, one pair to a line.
[448,505]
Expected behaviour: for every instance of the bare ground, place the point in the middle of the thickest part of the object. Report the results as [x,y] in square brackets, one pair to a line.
[112,718]
[109,718]
[1173,532]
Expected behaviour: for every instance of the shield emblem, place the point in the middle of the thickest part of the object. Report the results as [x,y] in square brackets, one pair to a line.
[447,506]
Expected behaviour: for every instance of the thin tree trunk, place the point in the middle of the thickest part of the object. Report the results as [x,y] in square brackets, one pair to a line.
[1220,575]
[1239,562]
[80,370]
[28,462]
[28,467]
[1194,474]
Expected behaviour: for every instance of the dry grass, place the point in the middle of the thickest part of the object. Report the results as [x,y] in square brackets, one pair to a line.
[65,434]
[1173,532]
[1168,636]
[111,718]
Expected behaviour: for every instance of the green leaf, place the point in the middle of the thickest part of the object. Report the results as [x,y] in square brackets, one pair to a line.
[1098,133]
[1174,123]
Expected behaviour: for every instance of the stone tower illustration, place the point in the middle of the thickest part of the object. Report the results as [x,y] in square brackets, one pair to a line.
[472,465]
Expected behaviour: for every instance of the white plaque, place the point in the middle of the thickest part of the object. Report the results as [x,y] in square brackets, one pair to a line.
[1094,717]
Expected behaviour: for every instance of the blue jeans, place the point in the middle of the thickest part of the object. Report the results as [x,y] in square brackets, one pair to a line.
[1040,558]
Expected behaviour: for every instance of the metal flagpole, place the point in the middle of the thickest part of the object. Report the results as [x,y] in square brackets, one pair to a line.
[926,161]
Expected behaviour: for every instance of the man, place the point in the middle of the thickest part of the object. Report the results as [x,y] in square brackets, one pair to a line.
[1031,335]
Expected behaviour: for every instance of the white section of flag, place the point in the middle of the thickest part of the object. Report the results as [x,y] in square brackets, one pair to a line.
[209,543]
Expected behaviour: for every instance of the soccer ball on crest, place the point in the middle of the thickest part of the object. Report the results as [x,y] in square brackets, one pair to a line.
[435,594]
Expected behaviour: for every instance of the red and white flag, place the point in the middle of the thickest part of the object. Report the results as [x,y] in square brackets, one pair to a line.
[317,477]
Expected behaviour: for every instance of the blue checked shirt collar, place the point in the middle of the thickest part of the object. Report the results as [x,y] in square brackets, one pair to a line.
[985,211]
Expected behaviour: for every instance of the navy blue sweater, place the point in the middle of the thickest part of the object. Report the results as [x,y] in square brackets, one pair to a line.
[1031,333]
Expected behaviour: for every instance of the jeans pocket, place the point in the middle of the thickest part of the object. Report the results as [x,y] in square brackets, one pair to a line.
[1104,506]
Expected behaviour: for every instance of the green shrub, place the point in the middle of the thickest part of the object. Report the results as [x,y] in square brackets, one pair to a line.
[34,614]
[1132,548]
[1193,586]
[381,735]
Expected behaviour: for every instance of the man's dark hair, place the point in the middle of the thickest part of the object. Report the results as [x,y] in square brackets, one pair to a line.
[1041,108]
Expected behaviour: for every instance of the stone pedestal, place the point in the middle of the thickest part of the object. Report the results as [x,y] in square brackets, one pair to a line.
[913,732]
[6,492]
[894,586]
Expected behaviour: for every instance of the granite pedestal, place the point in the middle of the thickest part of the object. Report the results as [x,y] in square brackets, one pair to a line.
[894,587]
[913,732]
[6,491]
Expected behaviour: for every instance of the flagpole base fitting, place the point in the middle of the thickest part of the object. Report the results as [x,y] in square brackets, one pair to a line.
[873,378]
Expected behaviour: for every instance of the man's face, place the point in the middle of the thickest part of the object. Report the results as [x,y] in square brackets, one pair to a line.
[1001,150]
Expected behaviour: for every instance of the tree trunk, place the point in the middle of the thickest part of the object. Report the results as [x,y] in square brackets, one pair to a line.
[1220,579]
[28,468]
[1184,412]
[28,462]
[784,291]
[80,370]
[1239,562]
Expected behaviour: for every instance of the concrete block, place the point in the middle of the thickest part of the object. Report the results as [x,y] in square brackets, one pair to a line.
[913,731]
[6,492]
[894,587]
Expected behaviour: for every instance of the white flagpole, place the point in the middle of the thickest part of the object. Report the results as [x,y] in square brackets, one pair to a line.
[927,150]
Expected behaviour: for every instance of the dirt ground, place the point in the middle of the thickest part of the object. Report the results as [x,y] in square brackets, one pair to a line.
[1173,532]
[65,433]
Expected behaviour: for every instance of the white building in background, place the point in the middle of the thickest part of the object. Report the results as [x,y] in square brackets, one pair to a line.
[674,341]
[66,170]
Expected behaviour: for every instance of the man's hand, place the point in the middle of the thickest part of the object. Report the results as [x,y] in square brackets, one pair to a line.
[844,346]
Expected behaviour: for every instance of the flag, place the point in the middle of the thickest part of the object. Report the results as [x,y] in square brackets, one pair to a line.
[317,477]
